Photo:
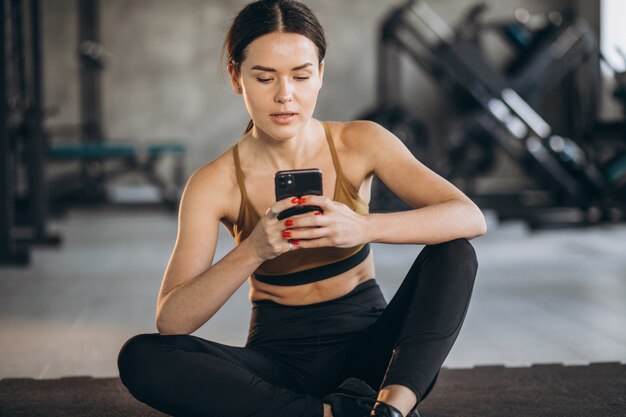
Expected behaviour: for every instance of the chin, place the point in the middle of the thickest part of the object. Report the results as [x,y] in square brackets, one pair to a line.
[282,132]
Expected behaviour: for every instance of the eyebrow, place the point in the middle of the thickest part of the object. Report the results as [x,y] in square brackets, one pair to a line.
[268,69]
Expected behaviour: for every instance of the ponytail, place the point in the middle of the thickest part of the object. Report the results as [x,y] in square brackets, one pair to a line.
[250,126]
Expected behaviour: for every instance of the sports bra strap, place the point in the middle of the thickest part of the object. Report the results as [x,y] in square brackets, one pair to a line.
[333,151]
[239,173]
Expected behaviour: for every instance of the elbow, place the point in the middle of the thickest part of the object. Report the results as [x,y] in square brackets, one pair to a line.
[176,323]
[482,228]
[477,225]
[168,329]
[480,223]
[161,322]
[163,328]
[166,326]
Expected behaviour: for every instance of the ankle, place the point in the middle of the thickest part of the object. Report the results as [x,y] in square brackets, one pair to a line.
[399,397]
[382,409]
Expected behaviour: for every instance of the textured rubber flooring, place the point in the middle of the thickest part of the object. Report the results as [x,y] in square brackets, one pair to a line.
[489,391]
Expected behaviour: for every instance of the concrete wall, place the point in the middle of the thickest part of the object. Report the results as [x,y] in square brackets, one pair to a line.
[163,78]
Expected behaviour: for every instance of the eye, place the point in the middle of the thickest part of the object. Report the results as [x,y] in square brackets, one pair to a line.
[264,80]
[302,78]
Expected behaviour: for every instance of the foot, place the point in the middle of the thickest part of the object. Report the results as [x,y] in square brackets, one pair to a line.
[353,398]
[386,410]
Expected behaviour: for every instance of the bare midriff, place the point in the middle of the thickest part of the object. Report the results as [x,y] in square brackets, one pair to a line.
[314,292]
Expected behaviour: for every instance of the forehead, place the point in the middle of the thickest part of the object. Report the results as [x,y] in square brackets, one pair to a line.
[281,50]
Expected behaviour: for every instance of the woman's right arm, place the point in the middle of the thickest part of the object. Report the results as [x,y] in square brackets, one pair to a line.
[193,289]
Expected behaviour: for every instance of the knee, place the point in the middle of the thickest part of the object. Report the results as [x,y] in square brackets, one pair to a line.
[135,358]
[457,251]
[456,256]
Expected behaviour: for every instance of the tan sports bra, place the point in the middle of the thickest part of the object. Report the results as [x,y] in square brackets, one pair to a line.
[301,259]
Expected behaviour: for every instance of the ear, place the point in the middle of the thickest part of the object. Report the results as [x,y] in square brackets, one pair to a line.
[234,79]
[321,73]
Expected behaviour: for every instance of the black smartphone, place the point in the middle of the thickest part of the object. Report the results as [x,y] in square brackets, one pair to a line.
[297,183]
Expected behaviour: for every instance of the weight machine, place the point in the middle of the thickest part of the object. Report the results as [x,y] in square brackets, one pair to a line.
[21,126]
[26,150]
[582,177]
[101,161]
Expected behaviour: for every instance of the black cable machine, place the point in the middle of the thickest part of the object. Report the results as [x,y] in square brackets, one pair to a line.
[577,183]
[23,136]
[26,149]
[10,250]
[34,137]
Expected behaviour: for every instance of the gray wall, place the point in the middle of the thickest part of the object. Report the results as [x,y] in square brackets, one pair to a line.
[163,79]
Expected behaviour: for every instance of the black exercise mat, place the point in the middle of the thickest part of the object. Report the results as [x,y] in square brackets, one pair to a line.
[597,390]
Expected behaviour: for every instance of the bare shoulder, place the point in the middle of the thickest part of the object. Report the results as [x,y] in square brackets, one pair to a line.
[210,188]
[361,136]
[365,143]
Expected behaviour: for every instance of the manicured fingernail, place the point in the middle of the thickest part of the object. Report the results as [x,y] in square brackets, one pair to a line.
[318,213]
[288,223]
[286,234]
[295,200]
[302,200]
[295,242]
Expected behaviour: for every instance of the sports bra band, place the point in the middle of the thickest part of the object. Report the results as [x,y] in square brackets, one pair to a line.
[318,273]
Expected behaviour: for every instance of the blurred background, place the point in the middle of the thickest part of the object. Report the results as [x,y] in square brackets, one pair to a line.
[109,106]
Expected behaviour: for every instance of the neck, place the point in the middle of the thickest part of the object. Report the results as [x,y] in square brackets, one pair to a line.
[291,153]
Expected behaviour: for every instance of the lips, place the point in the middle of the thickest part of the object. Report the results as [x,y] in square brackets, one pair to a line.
[283,117]
[284,114]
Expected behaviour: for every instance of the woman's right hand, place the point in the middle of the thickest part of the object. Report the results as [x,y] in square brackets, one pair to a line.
[268,238]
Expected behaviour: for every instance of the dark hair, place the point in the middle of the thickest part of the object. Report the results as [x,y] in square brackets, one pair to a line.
[266,16]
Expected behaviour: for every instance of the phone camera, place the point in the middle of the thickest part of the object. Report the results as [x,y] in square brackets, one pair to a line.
[286,181]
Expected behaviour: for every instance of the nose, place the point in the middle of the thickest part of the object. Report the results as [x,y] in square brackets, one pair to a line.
[284,93]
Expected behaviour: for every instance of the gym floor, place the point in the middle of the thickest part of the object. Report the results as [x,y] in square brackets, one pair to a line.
[543,297]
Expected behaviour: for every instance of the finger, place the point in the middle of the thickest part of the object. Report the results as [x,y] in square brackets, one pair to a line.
[307,234]
[323,202]
[281,205]
[314,243]
[311,219]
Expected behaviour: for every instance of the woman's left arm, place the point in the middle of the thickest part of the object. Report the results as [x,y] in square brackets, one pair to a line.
[441,212]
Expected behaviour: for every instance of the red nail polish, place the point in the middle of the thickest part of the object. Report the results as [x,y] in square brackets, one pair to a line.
[286,233]
[318,213]
[302,200]
[295,200]
[295,242]
[288,223]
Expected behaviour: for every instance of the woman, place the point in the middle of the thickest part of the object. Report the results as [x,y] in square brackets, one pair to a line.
[321,334]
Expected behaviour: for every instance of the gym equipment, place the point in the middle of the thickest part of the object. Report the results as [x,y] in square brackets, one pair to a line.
[620,79]
[25,148]
[22,134]
[500,109]
[10,251]
[101,161]
[33,132]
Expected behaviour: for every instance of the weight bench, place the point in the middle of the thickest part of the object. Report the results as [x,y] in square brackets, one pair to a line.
[103,161]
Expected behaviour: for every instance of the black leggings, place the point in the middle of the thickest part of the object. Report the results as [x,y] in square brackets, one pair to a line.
[297,354]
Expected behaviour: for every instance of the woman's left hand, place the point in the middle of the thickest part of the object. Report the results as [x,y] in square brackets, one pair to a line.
[336,226]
